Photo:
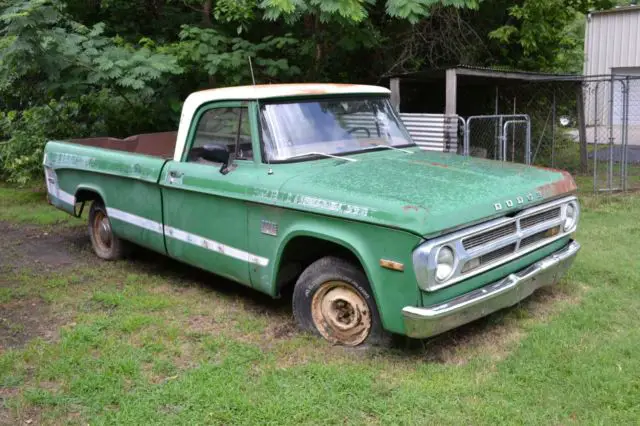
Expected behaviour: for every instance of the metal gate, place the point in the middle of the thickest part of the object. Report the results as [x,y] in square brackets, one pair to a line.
[499,137]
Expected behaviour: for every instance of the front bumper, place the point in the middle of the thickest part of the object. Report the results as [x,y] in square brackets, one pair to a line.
[436,319]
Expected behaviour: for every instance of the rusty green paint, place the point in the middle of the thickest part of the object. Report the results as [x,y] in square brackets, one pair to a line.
[381,206]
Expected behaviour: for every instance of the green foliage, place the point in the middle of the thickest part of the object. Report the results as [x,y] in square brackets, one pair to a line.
[355,10]
[227,57]
[543,34]
[414,10]
[25,133]
[123,67]
[242,12]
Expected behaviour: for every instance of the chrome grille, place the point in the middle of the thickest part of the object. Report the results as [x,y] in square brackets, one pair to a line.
[531,221]
[532,239]
[489,236]
[494,243]
[497,254]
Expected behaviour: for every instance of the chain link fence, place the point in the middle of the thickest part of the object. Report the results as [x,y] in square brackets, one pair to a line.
[589,126]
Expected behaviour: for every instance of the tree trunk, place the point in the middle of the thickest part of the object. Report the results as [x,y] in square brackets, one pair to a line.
[206,14]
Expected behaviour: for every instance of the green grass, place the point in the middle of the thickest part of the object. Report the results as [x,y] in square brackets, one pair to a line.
[29,207]
[142,343]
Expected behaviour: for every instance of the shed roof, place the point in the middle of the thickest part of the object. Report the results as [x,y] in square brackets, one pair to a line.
[485,72]
[620,9]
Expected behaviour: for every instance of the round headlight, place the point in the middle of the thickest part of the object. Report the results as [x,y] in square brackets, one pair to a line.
[571,217]
[445,263]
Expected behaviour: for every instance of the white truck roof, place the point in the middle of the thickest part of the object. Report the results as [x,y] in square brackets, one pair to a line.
[262,91]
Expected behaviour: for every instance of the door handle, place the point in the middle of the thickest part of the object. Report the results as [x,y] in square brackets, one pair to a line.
[175,175]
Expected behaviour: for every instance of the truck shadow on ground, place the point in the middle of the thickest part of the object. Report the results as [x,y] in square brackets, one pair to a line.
[495,335]
[26,247]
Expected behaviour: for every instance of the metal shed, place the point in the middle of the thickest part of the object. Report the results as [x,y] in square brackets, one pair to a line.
[612,48]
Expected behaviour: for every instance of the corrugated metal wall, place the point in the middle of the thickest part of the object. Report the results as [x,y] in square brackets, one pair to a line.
[612,48]
[432,132]
[612,41]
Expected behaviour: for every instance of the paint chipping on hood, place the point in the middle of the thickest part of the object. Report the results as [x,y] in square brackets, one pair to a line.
[427,193]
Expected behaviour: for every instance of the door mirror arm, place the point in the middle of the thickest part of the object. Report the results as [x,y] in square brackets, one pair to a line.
[217,153]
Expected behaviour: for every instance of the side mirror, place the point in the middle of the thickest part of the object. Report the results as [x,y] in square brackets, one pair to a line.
[215,153]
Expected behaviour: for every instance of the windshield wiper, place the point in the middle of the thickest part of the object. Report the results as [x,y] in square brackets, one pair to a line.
[306,154]
[388,147]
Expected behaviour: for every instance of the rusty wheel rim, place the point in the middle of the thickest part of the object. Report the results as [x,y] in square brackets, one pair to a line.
[102,231]
[341,314]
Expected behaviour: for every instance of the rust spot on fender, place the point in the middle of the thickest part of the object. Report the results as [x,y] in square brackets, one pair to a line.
[562,186]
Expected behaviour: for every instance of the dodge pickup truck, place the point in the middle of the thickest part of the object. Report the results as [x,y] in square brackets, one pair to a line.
[319,187]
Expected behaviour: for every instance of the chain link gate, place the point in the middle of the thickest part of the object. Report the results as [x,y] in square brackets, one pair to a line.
[499,137]
[615,131]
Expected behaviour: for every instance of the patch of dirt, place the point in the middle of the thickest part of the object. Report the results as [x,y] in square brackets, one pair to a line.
[285,330]
[23,320]
[42,249]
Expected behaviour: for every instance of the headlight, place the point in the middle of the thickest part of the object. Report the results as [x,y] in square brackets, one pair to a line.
[445,263]
[571,216]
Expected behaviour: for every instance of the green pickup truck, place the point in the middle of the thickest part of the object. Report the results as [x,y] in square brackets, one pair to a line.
[319,187]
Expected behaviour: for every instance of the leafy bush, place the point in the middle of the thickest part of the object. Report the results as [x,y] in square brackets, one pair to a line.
[26,132]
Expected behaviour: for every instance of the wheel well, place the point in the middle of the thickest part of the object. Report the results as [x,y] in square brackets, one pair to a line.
[86,195]
[301,252]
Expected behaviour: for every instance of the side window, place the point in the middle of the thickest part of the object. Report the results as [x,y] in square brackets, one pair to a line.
[223,126]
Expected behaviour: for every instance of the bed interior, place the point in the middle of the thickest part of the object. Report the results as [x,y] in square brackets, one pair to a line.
[154,144]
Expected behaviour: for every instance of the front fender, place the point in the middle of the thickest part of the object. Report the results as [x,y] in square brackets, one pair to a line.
[369,243]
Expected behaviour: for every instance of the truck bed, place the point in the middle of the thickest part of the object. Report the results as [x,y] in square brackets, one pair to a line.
[160,145]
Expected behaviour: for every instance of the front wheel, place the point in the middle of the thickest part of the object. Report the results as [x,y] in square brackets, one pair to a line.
[332,298]
[105,243]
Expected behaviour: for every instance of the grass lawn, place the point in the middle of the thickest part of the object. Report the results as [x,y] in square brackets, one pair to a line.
[150,341]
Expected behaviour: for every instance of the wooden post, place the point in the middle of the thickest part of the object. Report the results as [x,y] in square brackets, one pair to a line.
[582,129]
[394,84]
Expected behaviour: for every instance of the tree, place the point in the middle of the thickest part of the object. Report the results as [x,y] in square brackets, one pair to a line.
[544,34]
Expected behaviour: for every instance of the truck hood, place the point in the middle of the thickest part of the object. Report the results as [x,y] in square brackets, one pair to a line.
[425,193]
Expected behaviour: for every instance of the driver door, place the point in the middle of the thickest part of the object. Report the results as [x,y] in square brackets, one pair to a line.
[205,215]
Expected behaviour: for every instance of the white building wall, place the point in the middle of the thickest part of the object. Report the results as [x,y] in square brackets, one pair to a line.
[612,40]
[612,47]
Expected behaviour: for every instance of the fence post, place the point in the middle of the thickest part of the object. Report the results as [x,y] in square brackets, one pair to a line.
[595,139]
[625,134]
[553,130]
[611,138]
[582,129]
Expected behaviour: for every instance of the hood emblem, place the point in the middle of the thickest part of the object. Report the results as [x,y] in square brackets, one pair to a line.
[518,201]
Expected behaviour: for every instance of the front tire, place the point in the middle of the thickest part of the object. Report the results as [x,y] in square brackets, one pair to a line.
[333,298]
[105,243]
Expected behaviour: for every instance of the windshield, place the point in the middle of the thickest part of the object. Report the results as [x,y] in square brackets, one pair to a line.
[329,126]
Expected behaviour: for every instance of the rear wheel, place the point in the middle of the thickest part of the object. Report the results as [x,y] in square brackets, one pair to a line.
[105,243]
[332,298]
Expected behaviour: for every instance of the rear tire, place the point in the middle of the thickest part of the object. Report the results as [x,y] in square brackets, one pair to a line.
[105,243]
[333,299]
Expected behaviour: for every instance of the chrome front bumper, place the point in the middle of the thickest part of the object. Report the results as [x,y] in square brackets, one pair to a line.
[436,319]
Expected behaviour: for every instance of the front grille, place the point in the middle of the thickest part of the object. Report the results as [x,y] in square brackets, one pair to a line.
[484,239]
[489,257]
[536,219]
[497,254]
[536,238]
[489,236]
